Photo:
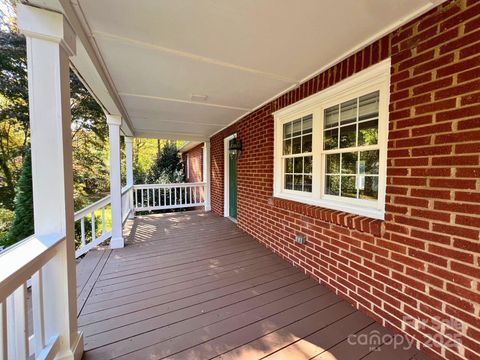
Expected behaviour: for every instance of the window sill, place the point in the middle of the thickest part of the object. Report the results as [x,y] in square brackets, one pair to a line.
[361,223]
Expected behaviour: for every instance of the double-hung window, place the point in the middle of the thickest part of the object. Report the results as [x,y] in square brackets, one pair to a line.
[330,149]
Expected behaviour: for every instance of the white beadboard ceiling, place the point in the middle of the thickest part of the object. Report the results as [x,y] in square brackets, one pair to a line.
[239,53]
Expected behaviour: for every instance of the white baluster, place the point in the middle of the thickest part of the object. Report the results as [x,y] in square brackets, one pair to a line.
[37,312]
[17,324]
[82,230]
[94,235]
[3,331]
[104,225]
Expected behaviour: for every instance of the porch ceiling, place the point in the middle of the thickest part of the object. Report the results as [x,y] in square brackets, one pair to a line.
[157,54]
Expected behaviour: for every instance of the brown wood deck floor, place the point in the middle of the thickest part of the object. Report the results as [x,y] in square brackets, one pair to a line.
[193,286]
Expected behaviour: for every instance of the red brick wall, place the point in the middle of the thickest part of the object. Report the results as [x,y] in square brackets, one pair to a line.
[423,261]
[195,160]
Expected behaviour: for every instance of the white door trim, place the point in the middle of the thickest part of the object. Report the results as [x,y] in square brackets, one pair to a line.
[226,175]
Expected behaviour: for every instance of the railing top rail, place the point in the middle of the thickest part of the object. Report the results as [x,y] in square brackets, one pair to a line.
[92,207]
[20,261]
[126,188]
[173,185]
[98,204]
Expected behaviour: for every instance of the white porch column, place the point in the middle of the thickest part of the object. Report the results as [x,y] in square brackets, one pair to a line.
[50,42]
[129,168]
[206,174]
[129,159]
[114,122]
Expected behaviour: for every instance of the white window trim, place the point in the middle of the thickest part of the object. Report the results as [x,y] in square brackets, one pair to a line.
[226,175]
[377,77]
[188,166]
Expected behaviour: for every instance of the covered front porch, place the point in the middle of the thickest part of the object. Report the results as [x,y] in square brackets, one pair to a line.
[191,285]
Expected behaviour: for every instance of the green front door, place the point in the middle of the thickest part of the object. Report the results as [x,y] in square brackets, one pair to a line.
[232,187]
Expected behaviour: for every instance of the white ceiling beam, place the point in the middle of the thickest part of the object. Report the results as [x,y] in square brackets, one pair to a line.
[168,135]
[178,121]
[159,98]
[195,57]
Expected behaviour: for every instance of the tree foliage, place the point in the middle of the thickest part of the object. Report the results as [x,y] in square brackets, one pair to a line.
[22,226]
[89,135]
[168,167]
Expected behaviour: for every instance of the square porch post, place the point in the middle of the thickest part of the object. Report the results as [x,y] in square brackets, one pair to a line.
[114,122]
[50,43]
[206,174]
[129,169]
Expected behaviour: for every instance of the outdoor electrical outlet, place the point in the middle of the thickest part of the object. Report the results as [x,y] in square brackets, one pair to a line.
[300,239]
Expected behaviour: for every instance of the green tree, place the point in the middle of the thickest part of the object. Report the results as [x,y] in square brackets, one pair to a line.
[168,167]
[22,226]
[89,129]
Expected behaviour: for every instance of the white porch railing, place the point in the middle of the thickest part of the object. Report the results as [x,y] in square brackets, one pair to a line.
[168,196]
[100,230]
[21,263]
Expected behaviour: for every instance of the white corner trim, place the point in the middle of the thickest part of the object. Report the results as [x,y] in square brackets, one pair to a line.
[226,175]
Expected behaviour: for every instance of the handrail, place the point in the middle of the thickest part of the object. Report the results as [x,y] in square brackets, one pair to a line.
[92,207]
[171,185]
[20,261]
[127,188]
[151,197]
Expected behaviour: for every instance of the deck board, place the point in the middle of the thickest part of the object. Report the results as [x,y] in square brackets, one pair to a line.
[192,285]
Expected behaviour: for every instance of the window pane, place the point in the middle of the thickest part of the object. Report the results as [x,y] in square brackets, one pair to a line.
[349,163]
[348,187]
[287,130]
[348,136]
[297,127]
[369,106]
[331,117]
[369,162]
[370,188]
[307,124]
[368,133]
[307,164]
[298,182]
[307,143]
[348,112]
[330,139]
[289,165]
[333,164]
[298,165]
[332,184]
[297,145]
[287,147]
[289,182]
[307,183]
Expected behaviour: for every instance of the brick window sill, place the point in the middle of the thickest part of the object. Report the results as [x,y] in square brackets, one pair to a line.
[352,221]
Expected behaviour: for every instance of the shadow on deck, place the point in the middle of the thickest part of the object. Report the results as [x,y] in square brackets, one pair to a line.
[192,285]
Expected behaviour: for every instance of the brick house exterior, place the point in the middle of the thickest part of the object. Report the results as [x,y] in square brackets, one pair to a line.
[422,263]
[193,159]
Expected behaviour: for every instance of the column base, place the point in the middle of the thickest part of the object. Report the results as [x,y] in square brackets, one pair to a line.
[76,351]
[117,243]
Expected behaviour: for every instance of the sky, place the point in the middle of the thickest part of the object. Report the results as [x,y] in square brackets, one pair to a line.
[5,12]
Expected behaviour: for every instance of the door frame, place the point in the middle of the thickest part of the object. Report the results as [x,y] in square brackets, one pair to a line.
[226,176]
